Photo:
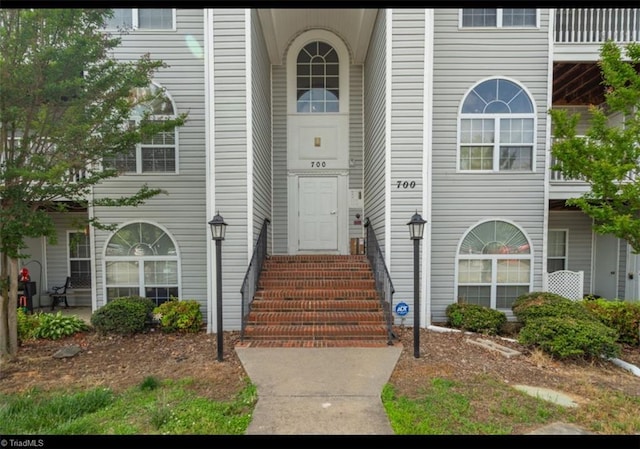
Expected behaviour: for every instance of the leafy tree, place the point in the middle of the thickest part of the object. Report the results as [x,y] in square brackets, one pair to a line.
[65,104]
[608,157]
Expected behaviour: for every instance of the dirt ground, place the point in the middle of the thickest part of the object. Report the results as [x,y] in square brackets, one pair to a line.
[121,362]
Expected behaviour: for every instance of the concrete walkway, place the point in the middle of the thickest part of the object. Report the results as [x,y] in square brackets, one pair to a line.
[319,391]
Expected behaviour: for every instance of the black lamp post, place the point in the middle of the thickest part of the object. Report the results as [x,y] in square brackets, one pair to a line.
[416,229]
[218,227]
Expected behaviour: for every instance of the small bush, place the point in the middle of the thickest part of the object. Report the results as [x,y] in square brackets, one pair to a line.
[124,316]
[544,304]
[475,318]
[179,316]
[55,326]
[622,316]
[570,337]
[150,383]
[27,325]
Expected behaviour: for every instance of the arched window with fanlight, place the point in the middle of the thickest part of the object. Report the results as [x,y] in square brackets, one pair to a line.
[494,265]
[318,79]
[157,153]
[497,128]
[141,259]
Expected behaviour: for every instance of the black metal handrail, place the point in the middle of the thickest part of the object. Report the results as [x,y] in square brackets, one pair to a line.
[250,283]
[384,285]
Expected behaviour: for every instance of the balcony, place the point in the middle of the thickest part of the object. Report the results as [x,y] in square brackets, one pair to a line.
[597,25]
[579,32]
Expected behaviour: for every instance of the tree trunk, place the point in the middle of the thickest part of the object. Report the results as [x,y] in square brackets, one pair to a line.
[9,313]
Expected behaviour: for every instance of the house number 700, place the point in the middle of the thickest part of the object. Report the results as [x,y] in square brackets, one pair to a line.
[406,184]
[318,164]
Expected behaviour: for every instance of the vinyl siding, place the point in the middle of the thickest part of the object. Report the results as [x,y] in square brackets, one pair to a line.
[580,247]
[462,58]
[279,223]
[374,136]
[407,119]
[261,117]
[181,211]
[230,143]
[355,145]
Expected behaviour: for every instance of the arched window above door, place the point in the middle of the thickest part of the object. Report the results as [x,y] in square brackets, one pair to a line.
[318,79]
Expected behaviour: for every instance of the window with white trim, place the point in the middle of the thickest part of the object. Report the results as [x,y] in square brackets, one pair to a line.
[497,128]
[156,153]
[79,259]
[141,260]
[557,250]
[494,265]
[142,19]
[499,17]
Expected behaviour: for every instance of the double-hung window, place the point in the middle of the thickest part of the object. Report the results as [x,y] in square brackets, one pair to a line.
[557,250]
[79,259]
[142,19]
[497,128]
[498,18]
[156,153]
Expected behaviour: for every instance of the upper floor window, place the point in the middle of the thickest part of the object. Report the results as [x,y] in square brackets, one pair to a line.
[156,153]
[494,265]
[499,17]
[142,19]
[497,128]
[317,78]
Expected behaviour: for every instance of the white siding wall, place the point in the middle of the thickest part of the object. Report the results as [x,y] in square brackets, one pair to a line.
[279,223]
[407,108]
[261,80]
[580,241]
[374,137]
[182,210]
[230,143]
[355,145]
[460,200]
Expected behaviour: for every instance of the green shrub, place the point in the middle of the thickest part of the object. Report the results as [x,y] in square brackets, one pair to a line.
[179,316]
[27,324]
[126,315]
[55,326]
[475,318]
[622,316]
[544,304]
[567,337]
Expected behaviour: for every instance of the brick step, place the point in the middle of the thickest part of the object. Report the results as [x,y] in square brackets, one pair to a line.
[313,343]
[339,305]
[313,266]
[323,317]
[317,294]
[316,284]
[316,258]
[316,332]
[316,274]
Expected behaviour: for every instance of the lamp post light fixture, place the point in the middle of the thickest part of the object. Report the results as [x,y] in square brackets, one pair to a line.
[218,227]
[416,230]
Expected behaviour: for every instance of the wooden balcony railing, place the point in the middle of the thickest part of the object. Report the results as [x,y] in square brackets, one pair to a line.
[597,25]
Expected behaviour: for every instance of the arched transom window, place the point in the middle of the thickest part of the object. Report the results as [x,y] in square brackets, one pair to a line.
[497,128]
[141,260]
[317,78]
[494,265]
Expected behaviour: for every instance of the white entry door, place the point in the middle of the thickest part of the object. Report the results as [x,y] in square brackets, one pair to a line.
[605,274]
[318,213]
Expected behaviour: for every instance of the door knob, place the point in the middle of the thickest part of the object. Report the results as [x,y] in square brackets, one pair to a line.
[333,212]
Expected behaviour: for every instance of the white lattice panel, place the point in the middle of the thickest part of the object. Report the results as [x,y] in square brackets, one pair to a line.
[565,283]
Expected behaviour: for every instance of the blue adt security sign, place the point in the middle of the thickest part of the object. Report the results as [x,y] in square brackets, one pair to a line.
[402,308]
